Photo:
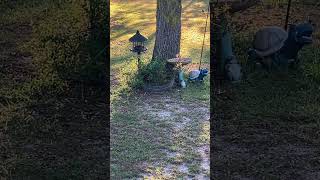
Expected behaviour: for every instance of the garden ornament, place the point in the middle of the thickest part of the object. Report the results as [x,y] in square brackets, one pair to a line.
[229,65]
[233,70]
[273,46]
[179,62]
[198,75]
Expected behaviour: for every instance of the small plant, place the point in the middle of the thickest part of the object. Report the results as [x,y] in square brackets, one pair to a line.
[155,72]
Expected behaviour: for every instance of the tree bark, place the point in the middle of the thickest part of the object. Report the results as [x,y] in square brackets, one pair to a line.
[168,33]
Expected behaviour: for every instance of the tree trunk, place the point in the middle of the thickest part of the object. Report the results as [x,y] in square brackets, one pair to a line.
[168,31]
[215,39]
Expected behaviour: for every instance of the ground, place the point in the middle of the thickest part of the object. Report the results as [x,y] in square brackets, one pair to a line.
[164,135]
[267,127]
[160,136]
[56,136]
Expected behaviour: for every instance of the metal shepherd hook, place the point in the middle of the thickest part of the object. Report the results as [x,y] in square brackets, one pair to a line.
[288,14]
[204,36]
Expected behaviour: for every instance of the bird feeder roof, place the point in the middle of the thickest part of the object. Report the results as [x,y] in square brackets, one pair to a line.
[138,38]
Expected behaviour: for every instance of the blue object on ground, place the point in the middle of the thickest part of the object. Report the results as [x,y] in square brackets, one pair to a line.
[201,74]
[181,79]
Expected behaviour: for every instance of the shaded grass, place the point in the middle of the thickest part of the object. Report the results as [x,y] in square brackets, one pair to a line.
[267,127]
[45,131]
[135,139]
[266,113]
[46,134]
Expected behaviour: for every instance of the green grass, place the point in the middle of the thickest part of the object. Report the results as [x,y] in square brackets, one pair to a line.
[126,18]
[268,119]
[50,129]
[128,117]
[197,91]
[268,112]
[151,137]
[134,140]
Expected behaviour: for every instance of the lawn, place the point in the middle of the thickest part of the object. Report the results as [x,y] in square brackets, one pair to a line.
[50,128]
[129,16]
[267,127]
[157,135]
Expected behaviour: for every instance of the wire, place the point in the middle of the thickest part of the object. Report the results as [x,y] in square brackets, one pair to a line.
[288,15]
[204,36]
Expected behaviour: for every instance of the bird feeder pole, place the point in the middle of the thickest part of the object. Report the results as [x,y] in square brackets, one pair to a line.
[288,14]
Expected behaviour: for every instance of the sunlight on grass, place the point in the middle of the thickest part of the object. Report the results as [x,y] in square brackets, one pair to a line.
[205,133]
[135,156]
[129,16]
[197,91]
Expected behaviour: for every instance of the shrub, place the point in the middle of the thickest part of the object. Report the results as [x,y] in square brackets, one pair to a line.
[153,72]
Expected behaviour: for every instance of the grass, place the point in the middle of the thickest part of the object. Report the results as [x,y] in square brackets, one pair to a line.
[197,91]
[134,140]
[133,156]
[45,132]
[145,152]
[267,126]
[126,18]
[265,113]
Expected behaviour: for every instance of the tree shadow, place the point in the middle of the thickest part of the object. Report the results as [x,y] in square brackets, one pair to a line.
[144,11]
[188,5]
[138,13]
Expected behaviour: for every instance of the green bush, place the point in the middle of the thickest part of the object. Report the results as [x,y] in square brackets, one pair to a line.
[154,72]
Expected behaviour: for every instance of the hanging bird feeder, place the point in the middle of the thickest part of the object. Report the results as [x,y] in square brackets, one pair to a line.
[138,44]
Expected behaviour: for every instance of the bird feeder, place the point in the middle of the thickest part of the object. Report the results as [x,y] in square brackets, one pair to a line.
[182,61]
[138,44]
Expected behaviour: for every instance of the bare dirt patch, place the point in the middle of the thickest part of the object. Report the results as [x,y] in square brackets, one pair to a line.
[181,116]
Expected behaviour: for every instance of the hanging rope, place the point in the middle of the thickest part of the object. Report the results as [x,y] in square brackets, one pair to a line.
[204,36]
